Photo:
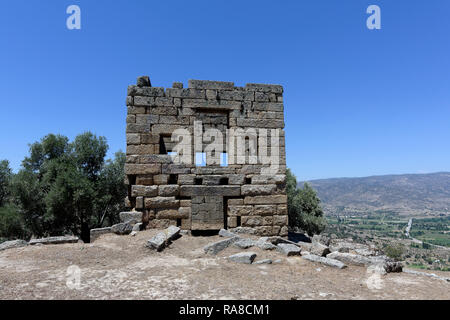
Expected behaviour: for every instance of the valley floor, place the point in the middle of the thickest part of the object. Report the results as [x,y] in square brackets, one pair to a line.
[121,267]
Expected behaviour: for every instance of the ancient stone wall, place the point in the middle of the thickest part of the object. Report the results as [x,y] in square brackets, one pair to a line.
[236,132]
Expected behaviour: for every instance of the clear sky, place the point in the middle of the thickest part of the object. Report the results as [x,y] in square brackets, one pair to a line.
[357,102]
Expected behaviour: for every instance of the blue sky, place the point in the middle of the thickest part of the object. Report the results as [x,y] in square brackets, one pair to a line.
[357,102]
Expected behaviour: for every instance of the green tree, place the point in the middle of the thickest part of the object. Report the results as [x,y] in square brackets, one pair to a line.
[68,187]
[394,251]
[304,208]
[5,180]
[11,223]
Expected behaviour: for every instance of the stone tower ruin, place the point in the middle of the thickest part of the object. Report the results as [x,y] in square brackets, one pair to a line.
[207,157]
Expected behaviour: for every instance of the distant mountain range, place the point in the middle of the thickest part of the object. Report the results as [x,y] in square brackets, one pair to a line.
[406,194]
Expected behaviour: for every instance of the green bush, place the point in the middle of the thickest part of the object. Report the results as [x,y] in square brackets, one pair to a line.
[394,251]
[11,224]
[304,207]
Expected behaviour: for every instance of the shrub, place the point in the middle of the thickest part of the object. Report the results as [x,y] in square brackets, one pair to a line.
[394,251]
[304,207]
[11,224]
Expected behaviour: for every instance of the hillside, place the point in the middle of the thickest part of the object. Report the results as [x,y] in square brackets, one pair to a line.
[407,194]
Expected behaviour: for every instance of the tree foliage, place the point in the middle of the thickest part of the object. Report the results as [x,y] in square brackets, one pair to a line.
[68,187]
[304,208]
[11,223]
[5,180]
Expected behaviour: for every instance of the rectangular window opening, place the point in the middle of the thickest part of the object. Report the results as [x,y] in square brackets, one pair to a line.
[224,159]
[173,179]
[200,159]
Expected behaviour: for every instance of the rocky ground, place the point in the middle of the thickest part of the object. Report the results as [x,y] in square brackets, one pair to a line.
[122,267]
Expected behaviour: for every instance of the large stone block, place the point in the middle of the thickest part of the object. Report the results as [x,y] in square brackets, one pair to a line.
[271,199]
[133,169]
[252,190]
[264,210]
[240,210]
[168,190]
[186,93]
[207,84]
[162,202]
[274,88]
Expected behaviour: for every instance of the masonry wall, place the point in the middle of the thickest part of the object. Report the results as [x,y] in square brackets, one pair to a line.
[203,197]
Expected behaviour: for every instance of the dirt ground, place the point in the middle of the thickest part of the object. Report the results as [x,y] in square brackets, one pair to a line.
[121,267]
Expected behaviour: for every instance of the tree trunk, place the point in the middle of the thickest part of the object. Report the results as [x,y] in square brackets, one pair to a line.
[85,233]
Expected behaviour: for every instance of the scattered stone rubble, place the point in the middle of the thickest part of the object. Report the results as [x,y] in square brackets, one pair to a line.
[316,251]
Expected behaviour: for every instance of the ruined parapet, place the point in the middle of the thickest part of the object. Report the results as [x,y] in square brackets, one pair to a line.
[207,157]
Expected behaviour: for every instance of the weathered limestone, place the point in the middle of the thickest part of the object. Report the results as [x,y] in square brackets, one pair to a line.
[95,233]
[164,238]
[13,244]
[122,228]
[216,247]
[326,261]
[55,240]
[244,243]
[288,249]
[243,257]
[350,258]
[264,261]
[238,195]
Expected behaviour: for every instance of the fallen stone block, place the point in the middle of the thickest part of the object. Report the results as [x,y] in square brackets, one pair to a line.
[243,257]
[288,249]
[162,239]
[158,242]
[54,240]
[346,247]
[326,261]
[137,227]
[13,244]
[244,243]
[122,228]
[350,258]
[263,244]
[216,247]
[319,249]
[264,261]
[95,233]
[227,234]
